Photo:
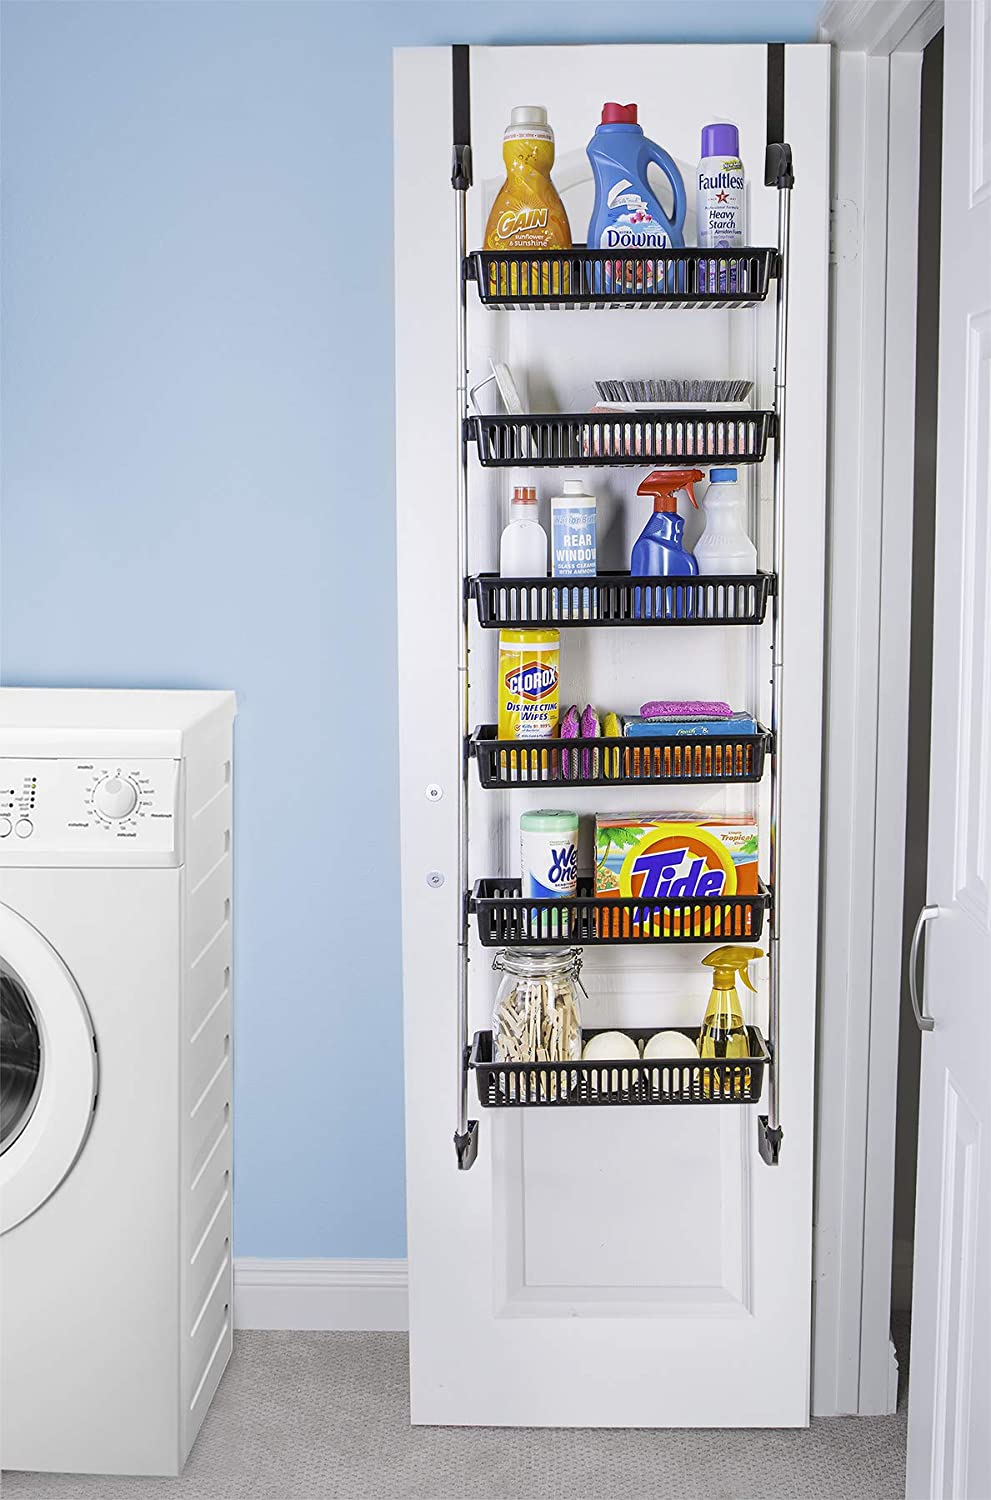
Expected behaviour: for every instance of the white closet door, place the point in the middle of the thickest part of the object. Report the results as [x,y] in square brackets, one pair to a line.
[949,1439]
[620,1266]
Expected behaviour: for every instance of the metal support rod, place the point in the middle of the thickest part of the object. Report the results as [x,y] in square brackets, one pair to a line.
[461,239]
[466,1135]
[783,183]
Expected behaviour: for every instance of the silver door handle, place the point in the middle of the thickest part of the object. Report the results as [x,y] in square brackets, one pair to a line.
[927,914]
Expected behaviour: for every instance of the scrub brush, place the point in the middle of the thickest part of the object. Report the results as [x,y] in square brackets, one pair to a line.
[691,391]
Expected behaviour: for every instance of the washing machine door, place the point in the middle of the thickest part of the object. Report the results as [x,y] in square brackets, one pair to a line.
[48,1070]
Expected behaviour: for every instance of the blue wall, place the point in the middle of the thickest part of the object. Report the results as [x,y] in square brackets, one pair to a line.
[198,486]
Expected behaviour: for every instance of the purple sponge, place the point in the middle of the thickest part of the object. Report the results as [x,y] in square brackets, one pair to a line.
[688,708]
[570,728]
[590,731]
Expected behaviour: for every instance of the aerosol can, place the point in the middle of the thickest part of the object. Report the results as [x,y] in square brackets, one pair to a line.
[720,202]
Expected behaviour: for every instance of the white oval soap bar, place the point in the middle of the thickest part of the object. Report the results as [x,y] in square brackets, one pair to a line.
[670,1044]
[610,1046]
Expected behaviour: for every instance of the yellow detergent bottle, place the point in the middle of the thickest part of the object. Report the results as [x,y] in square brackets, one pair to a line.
[724,1032]
[527,213]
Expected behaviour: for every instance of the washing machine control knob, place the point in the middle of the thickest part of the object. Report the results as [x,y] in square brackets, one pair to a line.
[115,797]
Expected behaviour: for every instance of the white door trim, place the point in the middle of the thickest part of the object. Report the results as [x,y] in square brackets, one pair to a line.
[324,1295]
[875,192]
[880,27]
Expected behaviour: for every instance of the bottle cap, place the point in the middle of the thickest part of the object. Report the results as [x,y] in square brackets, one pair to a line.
[619,114]
[573,487]
[529,640]
[525,494]
[549,820]
[528,114]
[720,140]
[718,475]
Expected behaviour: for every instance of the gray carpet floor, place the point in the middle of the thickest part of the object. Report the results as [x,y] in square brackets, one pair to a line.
[305,1415]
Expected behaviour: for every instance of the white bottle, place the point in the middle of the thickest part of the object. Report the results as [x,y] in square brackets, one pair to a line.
[523,549]
[720,200]
[724,546]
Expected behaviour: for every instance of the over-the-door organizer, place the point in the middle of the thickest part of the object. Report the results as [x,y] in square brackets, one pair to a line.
[581,279]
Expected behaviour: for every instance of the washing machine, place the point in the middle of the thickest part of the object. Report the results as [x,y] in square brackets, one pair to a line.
[115,1107]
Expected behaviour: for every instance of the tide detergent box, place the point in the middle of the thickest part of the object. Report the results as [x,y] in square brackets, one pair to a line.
[669,857]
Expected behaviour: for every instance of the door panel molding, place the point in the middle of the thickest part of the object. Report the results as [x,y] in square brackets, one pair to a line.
[956,1293]
[972,875]
[980,71]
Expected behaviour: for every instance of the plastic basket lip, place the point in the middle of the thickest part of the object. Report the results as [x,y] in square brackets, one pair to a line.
[509,889]
[482,1044]
[648,414]
[487,735]
[619,578]
[586,252]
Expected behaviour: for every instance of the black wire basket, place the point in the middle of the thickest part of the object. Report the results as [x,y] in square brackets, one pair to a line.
[600,439]
[620,599]
[648,760]
[508,919]
[676,1080]
[583,278]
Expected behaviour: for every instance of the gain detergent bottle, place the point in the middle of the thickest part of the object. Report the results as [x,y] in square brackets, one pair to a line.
[527,213]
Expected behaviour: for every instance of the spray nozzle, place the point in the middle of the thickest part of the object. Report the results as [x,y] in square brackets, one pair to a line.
[727,961]
[664,485]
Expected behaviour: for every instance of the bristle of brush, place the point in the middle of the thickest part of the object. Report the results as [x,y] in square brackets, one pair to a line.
[690,391]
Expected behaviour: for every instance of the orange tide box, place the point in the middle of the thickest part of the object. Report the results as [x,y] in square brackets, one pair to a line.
[671,857]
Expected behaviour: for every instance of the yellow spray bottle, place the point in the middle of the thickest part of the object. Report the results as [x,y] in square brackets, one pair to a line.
[724,1032]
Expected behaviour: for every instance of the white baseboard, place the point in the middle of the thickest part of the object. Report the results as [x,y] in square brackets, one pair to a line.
[351,1295]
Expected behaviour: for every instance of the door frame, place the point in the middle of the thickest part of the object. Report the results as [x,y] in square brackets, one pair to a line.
[876,106]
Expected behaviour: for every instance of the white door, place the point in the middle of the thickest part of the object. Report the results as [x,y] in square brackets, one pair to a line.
[949,1436]
[49,1070]
[623,1266]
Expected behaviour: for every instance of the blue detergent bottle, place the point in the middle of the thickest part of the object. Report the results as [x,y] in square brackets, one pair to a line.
[627,217]
[659,551]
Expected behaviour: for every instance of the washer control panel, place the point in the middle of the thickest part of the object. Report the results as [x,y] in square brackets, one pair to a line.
[73,806]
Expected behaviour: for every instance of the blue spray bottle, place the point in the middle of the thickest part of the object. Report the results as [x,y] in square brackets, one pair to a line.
[659,551]
[627,217]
